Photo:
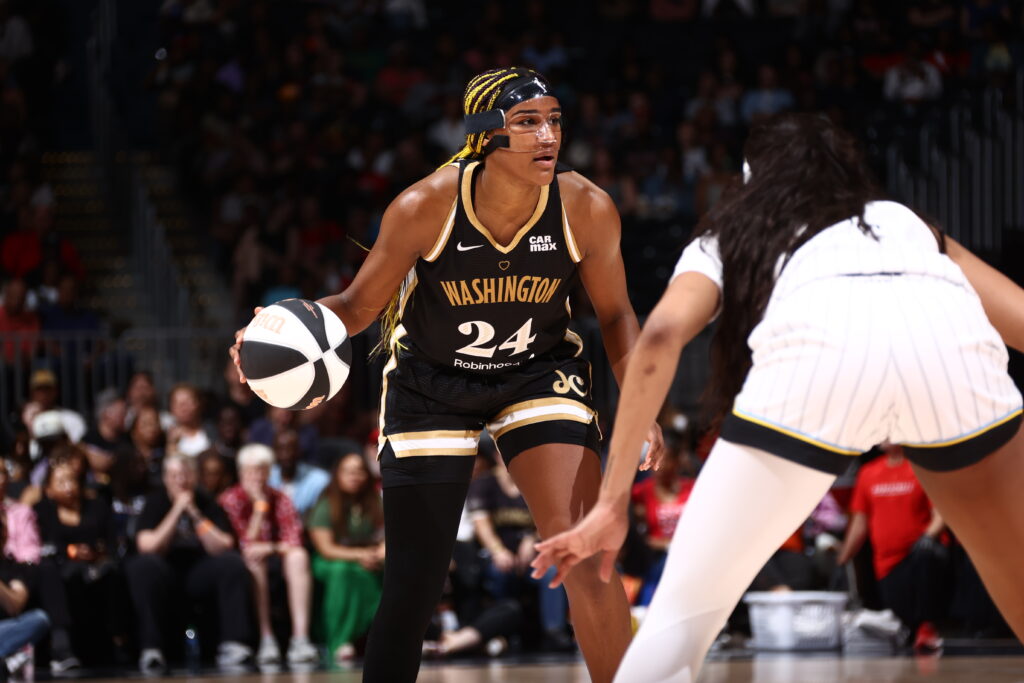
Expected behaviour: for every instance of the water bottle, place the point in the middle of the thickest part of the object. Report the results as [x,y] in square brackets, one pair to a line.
[191,648]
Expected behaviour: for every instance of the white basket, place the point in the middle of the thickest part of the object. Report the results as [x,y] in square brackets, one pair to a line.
[797,620]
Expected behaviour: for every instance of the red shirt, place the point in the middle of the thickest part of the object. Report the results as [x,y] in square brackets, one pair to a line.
[897,509]
[280,525]
[662,515]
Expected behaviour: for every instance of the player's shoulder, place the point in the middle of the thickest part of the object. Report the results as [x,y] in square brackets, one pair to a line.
[429,198]
[586,204]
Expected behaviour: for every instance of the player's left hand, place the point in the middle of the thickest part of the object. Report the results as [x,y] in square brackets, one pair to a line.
[603,530]
[655,449]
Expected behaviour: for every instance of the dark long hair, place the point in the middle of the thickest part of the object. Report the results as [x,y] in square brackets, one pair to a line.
[805,171]
[341,504]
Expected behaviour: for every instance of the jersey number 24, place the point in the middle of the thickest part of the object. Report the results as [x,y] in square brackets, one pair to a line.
[517,343]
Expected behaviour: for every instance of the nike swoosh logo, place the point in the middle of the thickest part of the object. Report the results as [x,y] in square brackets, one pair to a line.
[462,248]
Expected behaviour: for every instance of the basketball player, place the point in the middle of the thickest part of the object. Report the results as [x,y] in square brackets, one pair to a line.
[845,321]
[481,257]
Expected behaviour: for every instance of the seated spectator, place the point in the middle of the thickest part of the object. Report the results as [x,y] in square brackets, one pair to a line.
[76,573]
[44,392]
[914,80]
[186,550]
[141,394]
[270,532]
[299,481]
[241,397]
[278,420]
[18,627]
[16,318]
[659,501]
[767,99]
[505,529]
[22,534]
[910,556]
[346,528]
[129,486]
[147,440]
[188,435]
[108,437]
[216,473]
[230,431]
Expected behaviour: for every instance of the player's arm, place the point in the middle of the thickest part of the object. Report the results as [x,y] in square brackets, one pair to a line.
[604,275]
[409,228]
[1002,298]
[855,537]
[685,309]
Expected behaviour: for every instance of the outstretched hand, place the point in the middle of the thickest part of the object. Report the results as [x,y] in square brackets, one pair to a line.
[236,348]
[603,530]
[655,449]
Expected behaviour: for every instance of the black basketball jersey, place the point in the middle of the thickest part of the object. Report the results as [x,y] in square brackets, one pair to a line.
[473,304]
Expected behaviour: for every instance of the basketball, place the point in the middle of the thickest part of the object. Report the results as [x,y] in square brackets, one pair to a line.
[296,354]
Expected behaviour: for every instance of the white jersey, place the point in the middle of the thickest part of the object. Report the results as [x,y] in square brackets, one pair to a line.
[890,344]
[901,243]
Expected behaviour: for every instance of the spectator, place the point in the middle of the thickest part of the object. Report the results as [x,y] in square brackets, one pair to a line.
[77,575]
[505,530]
[141,394]
[188,435]
[108,437]
[147,440]
[15,318]
[270,533]
[129,486]
[21,532]
[186,550]
[906,532]
[278,420]
[216,473]
[230,431]
[297,480]
[914,80]
[346,528]
[767,99]
[659,500]
[18,627]
[43,391]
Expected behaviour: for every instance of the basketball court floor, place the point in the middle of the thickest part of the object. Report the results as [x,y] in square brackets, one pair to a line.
[760,669]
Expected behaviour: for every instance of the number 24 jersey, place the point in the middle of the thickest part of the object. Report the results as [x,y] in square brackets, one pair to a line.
[477,305]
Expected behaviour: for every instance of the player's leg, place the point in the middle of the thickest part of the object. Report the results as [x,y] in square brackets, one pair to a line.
[560,484]
[745,503]
[982,504]
[420,521]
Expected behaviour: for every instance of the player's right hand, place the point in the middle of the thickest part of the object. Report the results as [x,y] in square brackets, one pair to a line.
[236,348]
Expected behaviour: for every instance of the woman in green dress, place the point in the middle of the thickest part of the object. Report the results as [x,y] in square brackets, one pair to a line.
[346,527]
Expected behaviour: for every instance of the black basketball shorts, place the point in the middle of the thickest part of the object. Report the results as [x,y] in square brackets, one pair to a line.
[432,415]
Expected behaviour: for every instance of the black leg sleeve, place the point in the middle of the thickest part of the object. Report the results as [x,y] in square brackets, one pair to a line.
[420,523]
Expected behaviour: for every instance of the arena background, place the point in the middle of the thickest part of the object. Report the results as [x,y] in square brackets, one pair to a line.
[165,165]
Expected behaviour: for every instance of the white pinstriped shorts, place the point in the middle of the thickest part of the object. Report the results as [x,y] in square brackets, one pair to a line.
[845,363]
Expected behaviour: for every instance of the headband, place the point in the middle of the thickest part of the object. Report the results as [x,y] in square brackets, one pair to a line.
[525,87]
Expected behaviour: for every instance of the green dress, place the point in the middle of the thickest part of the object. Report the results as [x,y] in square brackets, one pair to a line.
[351,592]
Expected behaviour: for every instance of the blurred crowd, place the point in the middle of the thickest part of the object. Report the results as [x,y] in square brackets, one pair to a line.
[294,124]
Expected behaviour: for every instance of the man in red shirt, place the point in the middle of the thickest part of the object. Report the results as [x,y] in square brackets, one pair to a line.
[269,529]
[910,558]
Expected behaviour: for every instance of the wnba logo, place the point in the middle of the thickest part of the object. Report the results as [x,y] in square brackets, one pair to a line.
[563,385]
[268,321]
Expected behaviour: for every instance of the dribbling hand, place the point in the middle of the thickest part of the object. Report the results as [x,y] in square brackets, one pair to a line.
[603,531]
[236,348]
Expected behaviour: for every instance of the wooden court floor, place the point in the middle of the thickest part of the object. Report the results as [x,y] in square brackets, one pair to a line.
[765,669]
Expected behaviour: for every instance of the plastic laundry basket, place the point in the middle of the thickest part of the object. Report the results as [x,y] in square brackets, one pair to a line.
[797,620]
